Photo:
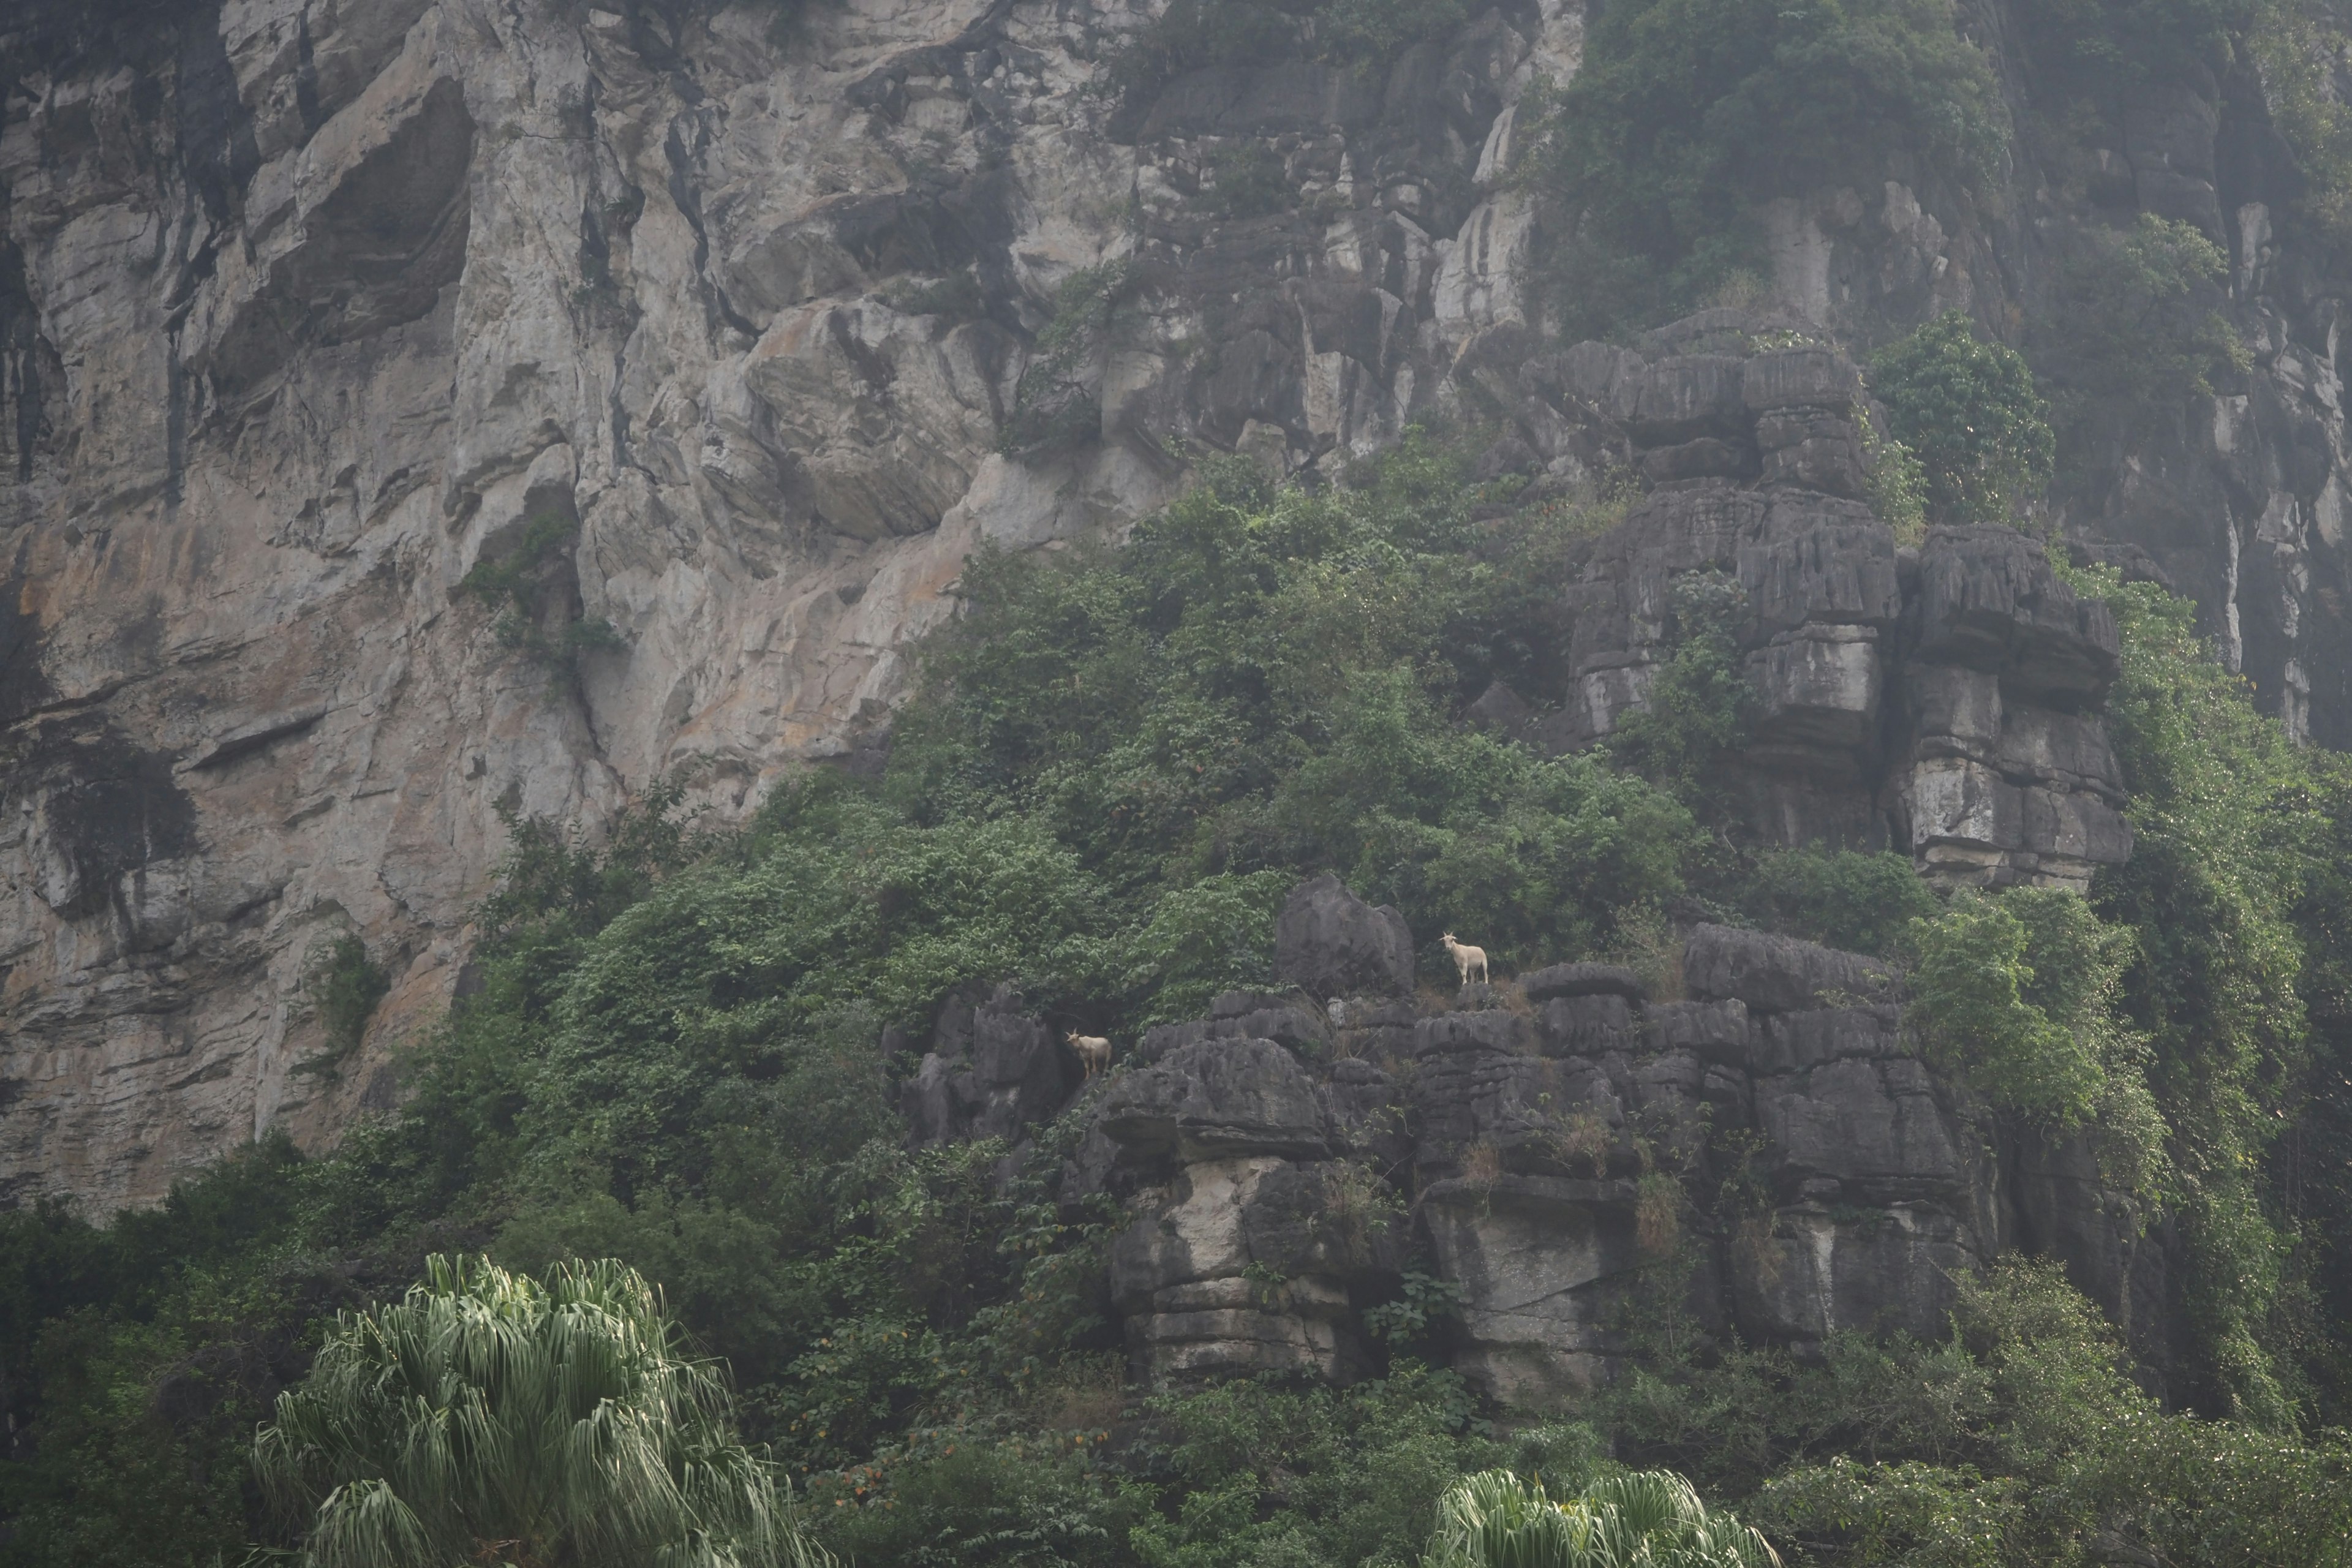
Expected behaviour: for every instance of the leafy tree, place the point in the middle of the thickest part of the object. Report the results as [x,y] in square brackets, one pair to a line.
[488,1417]
[1966,407]
[2134,322]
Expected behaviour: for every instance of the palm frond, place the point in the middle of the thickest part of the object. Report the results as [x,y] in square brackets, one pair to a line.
[550,1420]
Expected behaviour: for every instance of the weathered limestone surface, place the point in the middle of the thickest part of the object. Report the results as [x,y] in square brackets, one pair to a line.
[1941,698]
[308,306]
[1767,1152]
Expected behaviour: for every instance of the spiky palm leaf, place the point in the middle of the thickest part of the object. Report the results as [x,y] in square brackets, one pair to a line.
[1644,1519]
[490,1418]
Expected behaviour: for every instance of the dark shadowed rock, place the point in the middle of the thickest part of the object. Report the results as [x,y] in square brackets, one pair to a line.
[1581,979]
[992,1072]
[1334,944]
[1585,1026]
[1713,1031]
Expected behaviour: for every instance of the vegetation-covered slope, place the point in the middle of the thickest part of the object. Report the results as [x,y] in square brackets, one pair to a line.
[673,1053]
[1119,762]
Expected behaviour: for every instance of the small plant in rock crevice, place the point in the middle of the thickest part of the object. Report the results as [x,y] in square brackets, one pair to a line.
[523,585]
[1056,403]
[348,984]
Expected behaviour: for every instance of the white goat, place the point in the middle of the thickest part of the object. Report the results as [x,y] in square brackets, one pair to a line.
[1094,1051]
[1467,958]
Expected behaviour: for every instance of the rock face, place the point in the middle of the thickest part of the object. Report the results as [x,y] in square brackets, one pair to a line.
[1334,944]
[723,335]
[1941,699]
[992,1071]
[1766,1152]
[713,328]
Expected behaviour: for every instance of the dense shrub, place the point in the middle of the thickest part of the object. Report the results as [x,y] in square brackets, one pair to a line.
[1856,903]
[2135,324]
[1685,114]
[1966,407]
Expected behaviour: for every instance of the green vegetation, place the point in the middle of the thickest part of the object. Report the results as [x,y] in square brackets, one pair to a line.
[531,586]
[1118,761]
[2018,995]
[1246,182]
[1966,408]
[1494,1519]
[2302,47]
[2019,1439]
[348,984]
[1686,115]
[1859,903]
[2135,324]
[488,1417]
[1055,404]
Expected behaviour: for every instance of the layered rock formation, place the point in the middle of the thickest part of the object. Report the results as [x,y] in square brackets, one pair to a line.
[310,309]
[1940,699]
[1766,1152]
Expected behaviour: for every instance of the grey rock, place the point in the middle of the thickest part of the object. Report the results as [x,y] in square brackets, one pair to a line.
[992,1071]
[1811,377]
[1988,599]
[1816,1272]
[1216,1100]
[1500,708]
[1585,1026]
[1778,973]
[1581,979]
[1686,397]
[1716,1032]
[1880,1127]
[1547,1266]
[1789,1042]
[1818,689]
[1491,1032]
[1333,943]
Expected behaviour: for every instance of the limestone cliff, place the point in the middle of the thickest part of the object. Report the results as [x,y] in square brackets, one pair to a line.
[717,332]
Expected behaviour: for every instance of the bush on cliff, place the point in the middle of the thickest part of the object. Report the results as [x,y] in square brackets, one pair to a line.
[1967,408]
[1686,115]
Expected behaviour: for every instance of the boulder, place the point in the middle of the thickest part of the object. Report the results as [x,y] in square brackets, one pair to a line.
[992,1072]
[1878,1130]
[1333,943]
[1546,1265]
[1988,599]
[1778,973]
[1817,1270]
[1713,1031]
[1216,1099]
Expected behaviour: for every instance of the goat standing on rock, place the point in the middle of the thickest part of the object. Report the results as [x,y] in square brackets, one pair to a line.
[1467,958]
[1094,1051]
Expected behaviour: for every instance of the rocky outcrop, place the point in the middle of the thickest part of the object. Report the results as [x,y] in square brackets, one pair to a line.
[1251,1253]
[1766,1152]
[1332,943]
[1940,699]
[992,1071]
